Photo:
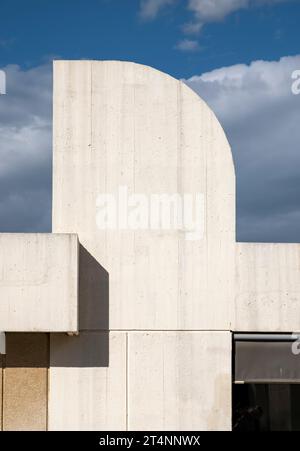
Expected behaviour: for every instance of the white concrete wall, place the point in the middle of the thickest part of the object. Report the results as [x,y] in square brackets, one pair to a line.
[140,381]
[87,382]
[168,303]
[122,124]
[267,287]
[38,282]
[179,381]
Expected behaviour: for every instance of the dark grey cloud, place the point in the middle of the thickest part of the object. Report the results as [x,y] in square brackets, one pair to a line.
[25,150]
[261,117]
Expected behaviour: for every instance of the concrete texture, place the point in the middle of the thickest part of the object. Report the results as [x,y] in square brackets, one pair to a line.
[88,382]
[38,282]
[140,381]
[267,295]
[25,382]
[179,381]
[123,124]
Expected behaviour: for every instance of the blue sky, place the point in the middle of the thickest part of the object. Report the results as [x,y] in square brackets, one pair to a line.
[238,55]
[35,30]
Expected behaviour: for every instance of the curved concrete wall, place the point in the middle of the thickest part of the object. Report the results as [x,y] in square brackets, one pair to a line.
[122,124]
[146,296]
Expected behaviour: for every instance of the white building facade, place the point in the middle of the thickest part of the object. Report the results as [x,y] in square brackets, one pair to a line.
[126,314]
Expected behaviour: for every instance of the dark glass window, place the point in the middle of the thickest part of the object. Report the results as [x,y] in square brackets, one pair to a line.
[266,407]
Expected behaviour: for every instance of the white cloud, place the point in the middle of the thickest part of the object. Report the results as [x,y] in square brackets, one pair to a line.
[150,8]
[187,45]
[215,10]
[25,150]
[261,117]
[6,43]
[192,27]
[204,11]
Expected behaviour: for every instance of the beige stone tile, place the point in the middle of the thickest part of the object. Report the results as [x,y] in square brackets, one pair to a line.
[25,382]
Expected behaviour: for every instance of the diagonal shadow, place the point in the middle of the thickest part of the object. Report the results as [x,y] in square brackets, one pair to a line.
[91,347]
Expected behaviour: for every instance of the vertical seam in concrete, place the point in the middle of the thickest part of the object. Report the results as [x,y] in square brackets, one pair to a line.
[179,175]
[2,388]
[232,349]
[134,173]
[126,402]
[205,206]
[48,383]
[91,106]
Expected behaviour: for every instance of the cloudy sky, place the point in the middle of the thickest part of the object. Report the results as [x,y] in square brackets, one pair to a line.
[239,55]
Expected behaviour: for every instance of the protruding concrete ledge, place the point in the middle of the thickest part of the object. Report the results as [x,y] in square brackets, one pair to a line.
[38,283]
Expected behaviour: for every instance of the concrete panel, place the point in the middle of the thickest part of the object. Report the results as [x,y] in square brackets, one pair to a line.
[179,381]
[25,382]
[88,381]
[267,295]
[122,124]
[38,282]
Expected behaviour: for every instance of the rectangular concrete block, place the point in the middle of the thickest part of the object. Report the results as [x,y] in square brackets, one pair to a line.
[88,381]
[25,382]
[179,381]
[267,297]
[38,282]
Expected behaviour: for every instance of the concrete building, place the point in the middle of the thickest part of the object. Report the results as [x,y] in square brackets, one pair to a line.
[125,317]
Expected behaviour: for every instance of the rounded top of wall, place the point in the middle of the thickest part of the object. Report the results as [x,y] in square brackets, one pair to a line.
[143,173]
[151,70]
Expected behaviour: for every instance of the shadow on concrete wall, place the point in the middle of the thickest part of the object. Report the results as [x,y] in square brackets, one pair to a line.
[91,347]
[26,350]
[87,350]
[93,293]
